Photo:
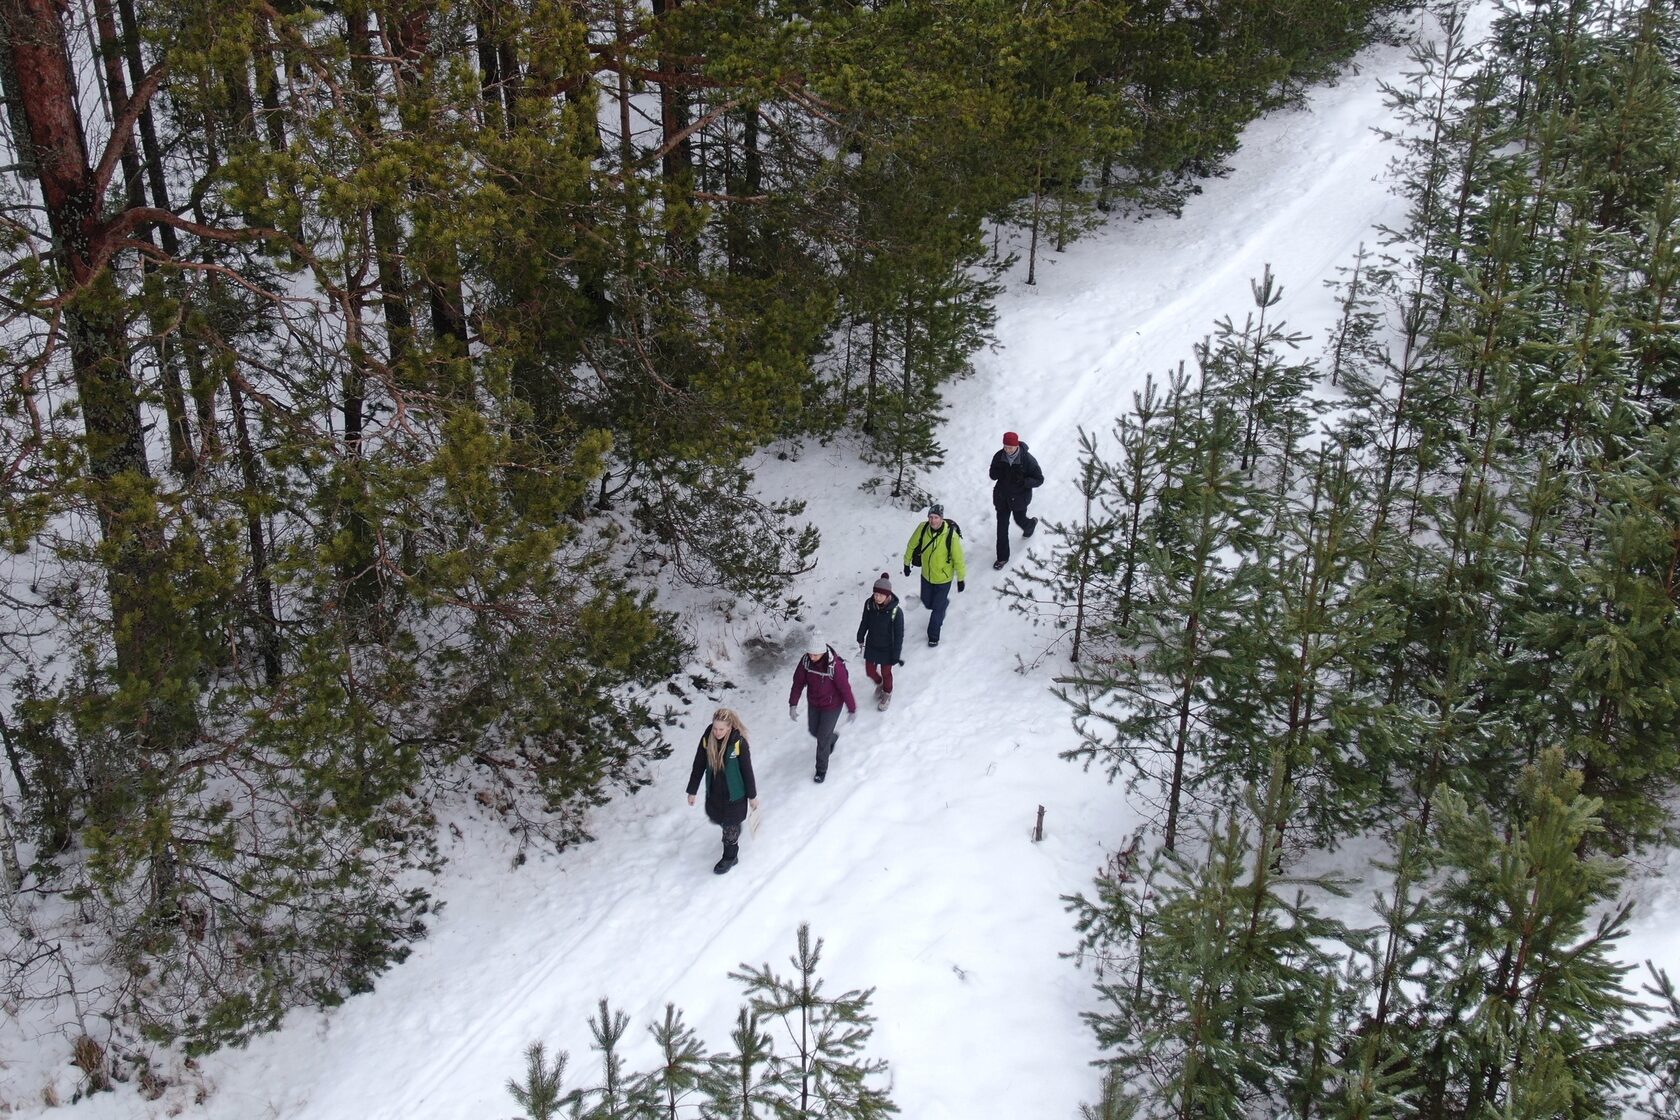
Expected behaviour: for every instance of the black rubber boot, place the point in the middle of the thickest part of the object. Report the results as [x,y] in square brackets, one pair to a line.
[730,852]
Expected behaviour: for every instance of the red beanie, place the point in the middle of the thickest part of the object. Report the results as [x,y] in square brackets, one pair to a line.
[1010,439]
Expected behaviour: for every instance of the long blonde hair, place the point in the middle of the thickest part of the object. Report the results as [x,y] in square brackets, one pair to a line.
[714,749]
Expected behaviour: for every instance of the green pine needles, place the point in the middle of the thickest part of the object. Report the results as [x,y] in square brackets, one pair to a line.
[794,1054]
[1420,594]
[1488,986]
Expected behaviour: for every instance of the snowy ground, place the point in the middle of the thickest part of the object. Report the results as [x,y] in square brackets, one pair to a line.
[914,862]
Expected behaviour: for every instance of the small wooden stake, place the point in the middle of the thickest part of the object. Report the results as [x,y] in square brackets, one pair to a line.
[1038,826]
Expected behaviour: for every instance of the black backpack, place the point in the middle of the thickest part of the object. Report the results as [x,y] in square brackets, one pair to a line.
[916,556]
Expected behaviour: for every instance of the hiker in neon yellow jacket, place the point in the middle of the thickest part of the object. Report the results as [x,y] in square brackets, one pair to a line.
[936,547]
[723,760]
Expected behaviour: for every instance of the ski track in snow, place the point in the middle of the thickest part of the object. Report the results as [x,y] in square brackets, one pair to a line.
[1304,236]
[913,861]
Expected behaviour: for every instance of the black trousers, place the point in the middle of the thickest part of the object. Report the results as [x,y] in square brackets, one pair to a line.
[1015,507]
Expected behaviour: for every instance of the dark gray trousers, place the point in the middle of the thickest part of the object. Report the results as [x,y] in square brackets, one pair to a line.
[821,722]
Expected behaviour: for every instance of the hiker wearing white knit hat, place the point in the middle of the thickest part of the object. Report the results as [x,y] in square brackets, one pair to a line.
[821,676]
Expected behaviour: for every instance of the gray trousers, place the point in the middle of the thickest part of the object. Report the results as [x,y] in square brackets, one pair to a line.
[821,722]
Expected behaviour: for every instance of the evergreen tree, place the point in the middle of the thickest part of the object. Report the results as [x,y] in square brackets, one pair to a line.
[1246,368]
[1112,1103]
[1151,439]
[821,1073]
[1095,564]
[1310,651]
[1234,997]
[663,1092]
[1072,575]
[1524,990]
[539,1094]
[740,1084]
[1604,639]
[1487,627]
[1065,118]
[1653,259]
[1655,1049]
[617,1095]
[1353,342]
[1157,701]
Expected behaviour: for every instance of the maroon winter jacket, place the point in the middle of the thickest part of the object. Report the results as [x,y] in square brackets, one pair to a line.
[827,680]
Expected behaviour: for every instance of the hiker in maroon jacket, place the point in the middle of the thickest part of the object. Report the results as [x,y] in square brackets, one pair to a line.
[822,674]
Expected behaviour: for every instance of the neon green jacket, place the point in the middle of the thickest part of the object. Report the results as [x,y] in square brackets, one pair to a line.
[941,557]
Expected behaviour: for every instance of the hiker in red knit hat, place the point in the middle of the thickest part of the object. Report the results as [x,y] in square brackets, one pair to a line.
[1015,475]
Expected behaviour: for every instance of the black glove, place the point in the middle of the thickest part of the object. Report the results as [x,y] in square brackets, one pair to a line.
[899,663]
[960,585]
[906,571]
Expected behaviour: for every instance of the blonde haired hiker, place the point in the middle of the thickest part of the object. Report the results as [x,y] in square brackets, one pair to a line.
[723,761]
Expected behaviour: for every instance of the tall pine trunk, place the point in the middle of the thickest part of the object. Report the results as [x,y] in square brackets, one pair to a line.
[677,165]
[181,453]
[42,86]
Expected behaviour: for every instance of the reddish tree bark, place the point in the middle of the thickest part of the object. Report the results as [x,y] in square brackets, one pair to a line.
[43,89]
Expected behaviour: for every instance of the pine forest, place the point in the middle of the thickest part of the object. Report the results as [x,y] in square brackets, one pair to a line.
[378,378]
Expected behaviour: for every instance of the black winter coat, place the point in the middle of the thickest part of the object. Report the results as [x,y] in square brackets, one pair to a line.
[720,807]
[881,631]
[1013,483]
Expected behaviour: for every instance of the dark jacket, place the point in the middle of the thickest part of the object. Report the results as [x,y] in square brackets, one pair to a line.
[829,684]
[881,631]
[726,794]
[1013,483]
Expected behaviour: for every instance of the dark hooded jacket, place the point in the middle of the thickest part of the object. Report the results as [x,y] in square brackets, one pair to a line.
[1013,483]
[881,631]
[727,794]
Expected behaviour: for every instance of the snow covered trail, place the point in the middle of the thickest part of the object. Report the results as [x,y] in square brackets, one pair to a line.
[1305,191]
[914,860]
